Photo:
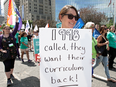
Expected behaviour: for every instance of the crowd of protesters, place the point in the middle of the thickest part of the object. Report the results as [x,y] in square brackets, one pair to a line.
[68,16]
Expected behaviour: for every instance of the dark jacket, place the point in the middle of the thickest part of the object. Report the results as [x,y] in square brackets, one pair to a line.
[11,35]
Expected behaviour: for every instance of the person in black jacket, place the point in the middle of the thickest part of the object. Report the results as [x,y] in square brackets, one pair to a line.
[8,43]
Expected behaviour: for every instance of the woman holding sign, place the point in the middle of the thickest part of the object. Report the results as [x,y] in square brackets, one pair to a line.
[68,17]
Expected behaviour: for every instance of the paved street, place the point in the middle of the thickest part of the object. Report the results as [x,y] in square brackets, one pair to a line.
[100,80]
[27,75]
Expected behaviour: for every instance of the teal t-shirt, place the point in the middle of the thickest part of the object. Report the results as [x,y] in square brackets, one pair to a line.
[112,39]
[25,40]
[17,39]
[94,42]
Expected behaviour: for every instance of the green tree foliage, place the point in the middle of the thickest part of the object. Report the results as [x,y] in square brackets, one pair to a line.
[42,23]
[91,14]
[24,22]
[2,26]
[110,23]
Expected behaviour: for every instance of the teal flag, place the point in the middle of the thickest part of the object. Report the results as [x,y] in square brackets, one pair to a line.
[58,25]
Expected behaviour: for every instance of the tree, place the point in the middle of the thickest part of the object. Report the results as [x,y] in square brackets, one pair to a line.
[24,22]
[91,14]
[2,26]
[110,23]
[42,23]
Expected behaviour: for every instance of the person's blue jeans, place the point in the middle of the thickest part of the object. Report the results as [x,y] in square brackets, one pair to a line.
[104,60]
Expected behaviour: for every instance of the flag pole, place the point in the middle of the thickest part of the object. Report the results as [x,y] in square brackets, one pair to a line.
[114,7]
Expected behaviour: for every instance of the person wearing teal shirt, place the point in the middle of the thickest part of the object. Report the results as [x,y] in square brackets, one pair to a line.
[25,41]
[24,46]
[17,42]
[112,44]
[16,36]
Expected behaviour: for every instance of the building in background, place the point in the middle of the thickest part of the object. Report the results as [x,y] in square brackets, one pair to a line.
[1,17]
[37,9]
[0,8]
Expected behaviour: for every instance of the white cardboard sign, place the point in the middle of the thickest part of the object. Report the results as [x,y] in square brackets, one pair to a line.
[66,56]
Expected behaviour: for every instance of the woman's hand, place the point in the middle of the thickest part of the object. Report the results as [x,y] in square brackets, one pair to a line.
[38,59]
[108,48]
[93,60]
[27,46]
[97,55]
[17,19]
[107,42]
[4,51]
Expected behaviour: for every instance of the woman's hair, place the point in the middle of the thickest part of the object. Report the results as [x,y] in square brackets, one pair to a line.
[23,33]
[111,27]
[88,25]
[5,28]
[65,9]
[101,30]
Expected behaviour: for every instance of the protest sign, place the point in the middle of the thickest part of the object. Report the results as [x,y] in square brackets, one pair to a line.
[66,56]
[36,47]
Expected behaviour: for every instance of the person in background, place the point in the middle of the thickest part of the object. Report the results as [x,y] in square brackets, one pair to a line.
[112,44]
[20,33]
[8,43]
[35,35]
[91,25]
[24,46]
[17,42]
[97,27]
[29,36]
[102,42]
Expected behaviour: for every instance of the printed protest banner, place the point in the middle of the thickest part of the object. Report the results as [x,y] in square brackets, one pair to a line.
[66,56]
[36,47]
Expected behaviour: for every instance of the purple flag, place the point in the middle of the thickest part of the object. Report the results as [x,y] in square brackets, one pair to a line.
[17,12]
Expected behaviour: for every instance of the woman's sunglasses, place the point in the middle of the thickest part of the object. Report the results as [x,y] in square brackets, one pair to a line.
[70,16]
[105,28]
